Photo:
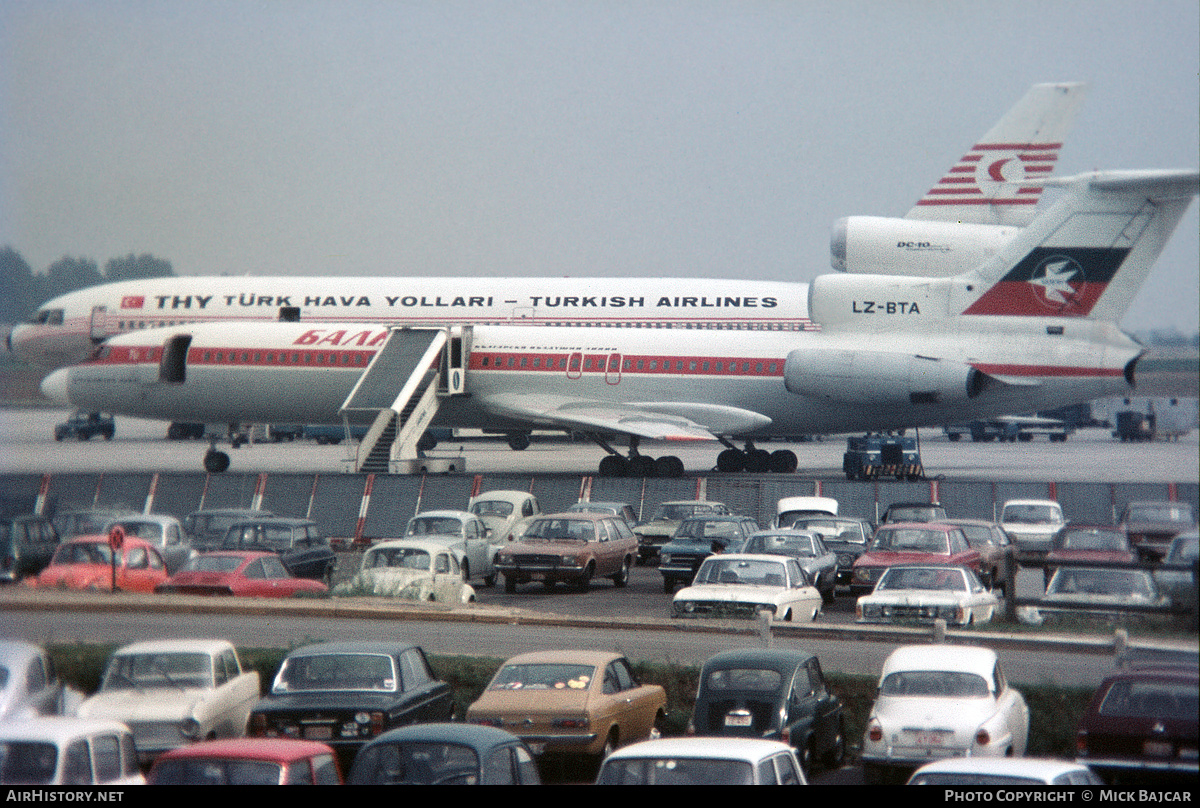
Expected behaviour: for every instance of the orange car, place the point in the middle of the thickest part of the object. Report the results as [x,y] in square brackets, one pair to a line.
[85,562]
[571,703]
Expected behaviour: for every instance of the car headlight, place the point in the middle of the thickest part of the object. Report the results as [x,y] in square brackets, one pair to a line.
[665,558]
[570,561]
[845,560]
[687,606]
[870,610]
[862,574]
[503,559]
[190,728]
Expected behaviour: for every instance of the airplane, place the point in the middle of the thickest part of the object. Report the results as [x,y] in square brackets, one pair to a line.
[1032,328]
[65,329]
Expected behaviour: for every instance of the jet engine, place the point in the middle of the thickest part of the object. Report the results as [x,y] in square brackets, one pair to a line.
[877,245]
[876,378]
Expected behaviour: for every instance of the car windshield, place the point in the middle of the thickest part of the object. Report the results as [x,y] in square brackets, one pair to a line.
[173,669]
[978,535]
[928,578]
[216,772]
[150,531]
[933,683]
[760,679]
[434,526]
[1119,583]
[915,513]
[911,540]
[93,552]
[1160,513]
[1150,698]
[833,530]
[213,563]
[416,763]
[1031,514]
[543,676]
[675,513]
[676,772]
[741,571]
[781,544]
[1185,551]
[404,557]
[561,530]
[492,507]
[1092,540]
[971,779]
[27,762]
[707,529]
[336,672]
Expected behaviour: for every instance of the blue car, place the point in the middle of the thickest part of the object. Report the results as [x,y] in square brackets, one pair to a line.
[445,754]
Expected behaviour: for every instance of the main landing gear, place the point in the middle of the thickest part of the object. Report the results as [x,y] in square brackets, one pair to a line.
[636,465]
[756,461]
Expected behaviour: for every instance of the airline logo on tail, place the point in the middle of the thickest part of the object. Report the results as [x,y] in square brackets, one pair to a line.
[1053,281]
[990,173]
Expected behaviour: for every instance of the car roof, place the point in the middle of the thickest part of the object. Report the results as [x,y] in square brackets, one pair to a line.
[941,657]
[427,545]
[775,559]
[156,518]
[273,749]
[939,525]
[477,736]
[1008,502]
[564,657]
[446,513]
[748,749]
[58,729]
[914,504]
[177,645]
[130,541]
[1041,768]
[578,516]
[16,653]
[273,520]
[503,495]
[353,647]
[770,658]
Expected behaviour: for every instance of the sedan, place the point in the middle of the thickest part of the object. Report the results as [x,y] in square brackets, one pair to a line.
[298,542]
[818,562]
[570,547]
[411,569]
[1004,772]
[29,685]
[696,538]
[1088,543]
[845,536]
[997,553]
[164,532]
[251,575]
[746,586]
[912,543]
[445,754]
[248,762]
[914,594]
[571,703]
[703,762]
[941,701]
[86,563]
[1095,592]
[61,751]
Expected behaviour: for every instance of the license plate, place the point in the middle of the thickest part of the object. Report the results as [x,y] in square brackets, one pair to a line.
[929,738]
[1156,748]
[537,748]
[536,576]
[318,733]
[736,720]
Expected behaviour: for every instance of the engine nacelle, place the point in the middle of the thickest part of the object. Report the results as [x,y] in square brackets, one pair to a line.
[881,246]
[876,378]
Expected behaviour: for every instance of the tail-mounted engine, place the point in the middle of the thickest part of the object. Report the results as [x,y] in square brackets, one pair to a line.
[870,377]
[876,245]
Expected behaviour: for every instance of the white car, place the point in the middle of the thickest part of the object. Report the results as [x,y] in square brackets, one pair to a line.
[1031,523]
[703,762]
[174,692]
[922,594]
[164,532]
[941,701]
[789,509]
[506,513]
[744,586]
[412,569]
[463,532]
[58,751]
[1004,772]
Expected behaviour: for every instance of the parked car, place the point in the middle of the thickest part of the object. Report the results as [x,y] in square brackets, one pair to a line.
[1141,723]
[818,562]
[346,693]
[411,569]
[1178,585]
[164,532]
[1094,592]
[26,545]
[703,762]
[61,751]
[912,543]
[789,509]
[913,512]
[298,542]
[621,510]
[1031,523]
[466,534]
[506,513]
[696,538]
[175,692]
[206,529]
[745,586]
[445,754]
[1151,525]
[656,531]
[87,521]
[248,762]
[571,703]
[940,701]
[774,693]
[572,548]
[1087,543]
[85,426]
[29,684]
[85,562]
[1023,771]
[243,574]
[922,594]
[997,553]
[847,537]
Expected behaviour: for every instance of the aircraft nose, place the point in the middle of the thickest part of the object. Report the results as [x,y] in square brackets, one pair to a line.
[54,386]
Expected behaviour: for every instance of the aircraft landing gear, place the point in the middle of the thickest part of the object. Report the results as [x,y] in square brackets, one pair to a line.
[756,461]
[636,465]
[215,462]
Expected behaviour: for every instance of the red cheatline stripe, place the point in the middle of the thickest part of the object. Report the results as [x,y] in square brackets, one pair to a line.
[950,180]
[1045,370]
[1014,146]
[978,202]
[955,191]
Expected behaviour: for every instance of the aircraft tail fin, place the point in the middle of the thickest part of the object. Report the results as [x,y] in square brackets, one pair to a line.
[981,188]
[1089,253]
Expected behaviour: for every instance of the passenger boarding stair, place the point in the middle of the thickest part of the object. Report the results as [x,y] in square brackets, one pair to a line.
[427,363]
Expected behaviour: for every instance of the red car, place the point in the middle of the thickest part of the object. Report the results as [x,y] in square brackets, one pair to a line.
[912,543]
[1142,724]
[85,562]
[1088,543]
[248,762]
[246,574]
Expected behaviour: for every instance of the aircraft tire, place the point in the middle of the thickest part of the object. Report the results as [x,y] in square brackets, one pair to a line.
[640,466]
[784,461]
[215,462]
[612,466]
[668,467]
[518,441]
[731,460]
[758,461]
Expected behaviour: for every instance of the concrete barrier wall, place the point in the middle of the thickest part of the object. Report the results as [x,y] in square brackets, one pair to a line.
[358,505]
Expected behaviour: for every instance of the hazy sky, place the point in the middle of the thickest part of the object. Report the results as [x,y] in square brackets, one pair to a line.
[566,137]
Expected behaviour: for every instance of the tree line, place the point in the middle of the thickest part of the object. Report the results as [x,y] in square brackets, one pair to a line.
[22,290]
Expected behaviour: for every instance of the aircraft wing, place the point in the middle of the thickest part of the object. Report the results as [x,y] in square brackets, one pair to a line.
[671,420]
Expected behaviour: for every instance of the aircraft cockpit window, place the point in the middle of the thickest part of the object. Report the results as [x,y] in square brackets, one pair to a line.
[47,317]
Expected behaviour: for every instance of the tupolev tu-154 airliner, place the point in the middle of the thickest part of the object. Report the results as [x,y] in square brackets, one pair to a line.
[980,203]
[1032,327]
